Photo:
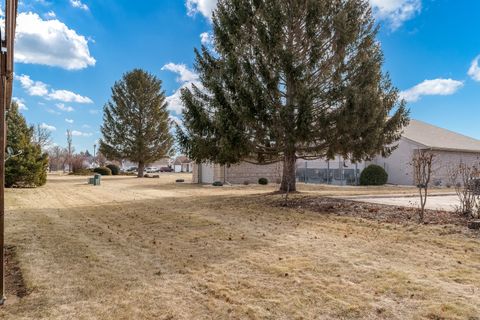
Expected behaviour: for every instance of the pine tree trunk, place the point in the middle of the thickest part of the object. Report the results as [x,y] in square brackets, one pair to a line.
[289,173]
[141,168]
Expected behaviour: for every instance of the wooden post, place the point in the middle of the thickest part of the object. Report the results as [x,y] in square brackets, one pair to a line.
[2,191]
[6,84]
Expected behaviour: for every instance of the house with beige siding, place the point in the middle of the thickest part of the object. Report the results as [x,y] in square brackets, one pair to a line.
[183,164]
[450,149]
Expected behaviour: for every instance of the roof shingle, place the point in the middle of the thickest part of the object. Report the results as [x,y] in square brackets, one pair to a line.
[438,138]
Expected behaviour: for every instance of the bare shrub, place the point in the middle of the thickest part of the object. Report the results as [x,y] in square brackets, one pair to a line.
[452,175]
[467,189]
[101,160]
[57,157]
[422,163]
[78,162]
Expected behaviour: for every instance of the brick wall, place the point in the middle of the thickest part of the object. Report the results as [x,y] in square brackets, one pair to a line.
[240,173]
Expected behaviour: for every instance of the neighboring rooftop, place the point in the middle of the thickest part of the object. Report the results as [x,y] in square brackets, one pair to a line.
[438,138]
[182,159]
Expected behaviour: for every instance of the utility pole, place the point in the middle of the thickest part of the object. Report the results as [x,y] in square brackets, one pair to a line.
[6,87]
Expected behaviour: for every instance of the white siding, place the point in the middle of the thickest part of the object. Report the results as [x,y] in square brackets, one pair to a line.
[400,171]
[447,159]
[398,165]
[206,172]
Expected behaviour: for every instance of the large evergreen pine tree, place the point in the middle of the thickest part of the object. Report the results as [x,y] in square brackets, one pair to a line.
[291,79]
[26,166]
[136,124]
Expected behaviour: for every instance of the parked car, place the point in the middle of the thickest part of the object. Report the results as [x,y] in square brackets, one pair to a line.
[166,169]
[152,169]
[131,169]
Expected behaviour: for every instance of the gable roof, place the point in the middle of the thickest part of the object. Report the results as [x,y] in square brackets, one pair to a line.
[438,138]
[182,159]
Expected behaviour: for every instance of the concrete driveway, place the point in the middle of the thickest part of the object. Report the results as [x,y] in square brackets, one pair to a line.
[434,202]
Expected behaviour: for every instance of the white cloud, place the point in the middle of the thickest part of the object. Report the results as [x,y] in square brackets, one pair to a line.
[186,77]
[474,71]
[174,101]
[50,14]
[47,126]
[79,4]
[396,11]
[50,42]
[206,38]
[204,7]
[65,108]
[40,89]
[33,88]
[68,96]
[69,120]
[76,133]
[185,74]
[436,87]
[93,111]
[49,110]
[21,103]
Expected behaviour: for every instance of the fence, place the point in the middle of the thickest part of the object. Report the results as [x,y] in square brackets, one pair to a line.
[328,172]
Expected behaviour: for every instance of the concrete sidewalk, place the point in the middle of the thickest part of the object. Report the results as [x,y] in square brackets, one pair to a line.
[434,202]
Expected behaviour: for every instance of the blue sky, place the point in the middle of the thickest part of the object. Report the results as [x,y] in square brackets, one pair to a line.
[70,52]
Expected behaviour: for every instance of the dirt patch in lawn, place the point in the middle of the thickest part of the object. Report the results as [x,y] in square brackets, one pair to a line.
[14,283]
[378,212]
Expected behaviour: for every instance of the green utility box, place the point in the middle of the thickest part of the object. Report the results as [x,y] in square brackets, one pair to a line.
[96,180]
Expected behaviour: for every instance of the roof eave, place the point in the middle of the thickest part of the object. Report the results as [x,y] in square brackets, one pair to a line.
[454,150]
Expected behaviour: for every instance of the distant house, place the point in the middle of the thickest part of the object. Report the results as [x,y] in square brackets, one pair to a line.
[450,148]
[164,162]
[183,164]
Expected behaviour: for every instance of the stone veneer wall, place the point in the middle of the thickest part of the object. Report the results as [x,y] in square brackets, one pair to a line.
[248,172]
[242,172]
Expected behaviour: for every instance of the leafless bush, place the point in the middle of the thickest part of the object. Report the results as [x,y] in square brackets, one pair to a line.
[100,159]
[467,185]
[422,163]
[452,175]
[78,162]
[57,158]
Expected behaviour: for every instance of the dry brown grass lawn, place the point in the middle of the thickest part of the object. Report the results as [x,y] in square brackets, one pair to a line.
[153,249]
